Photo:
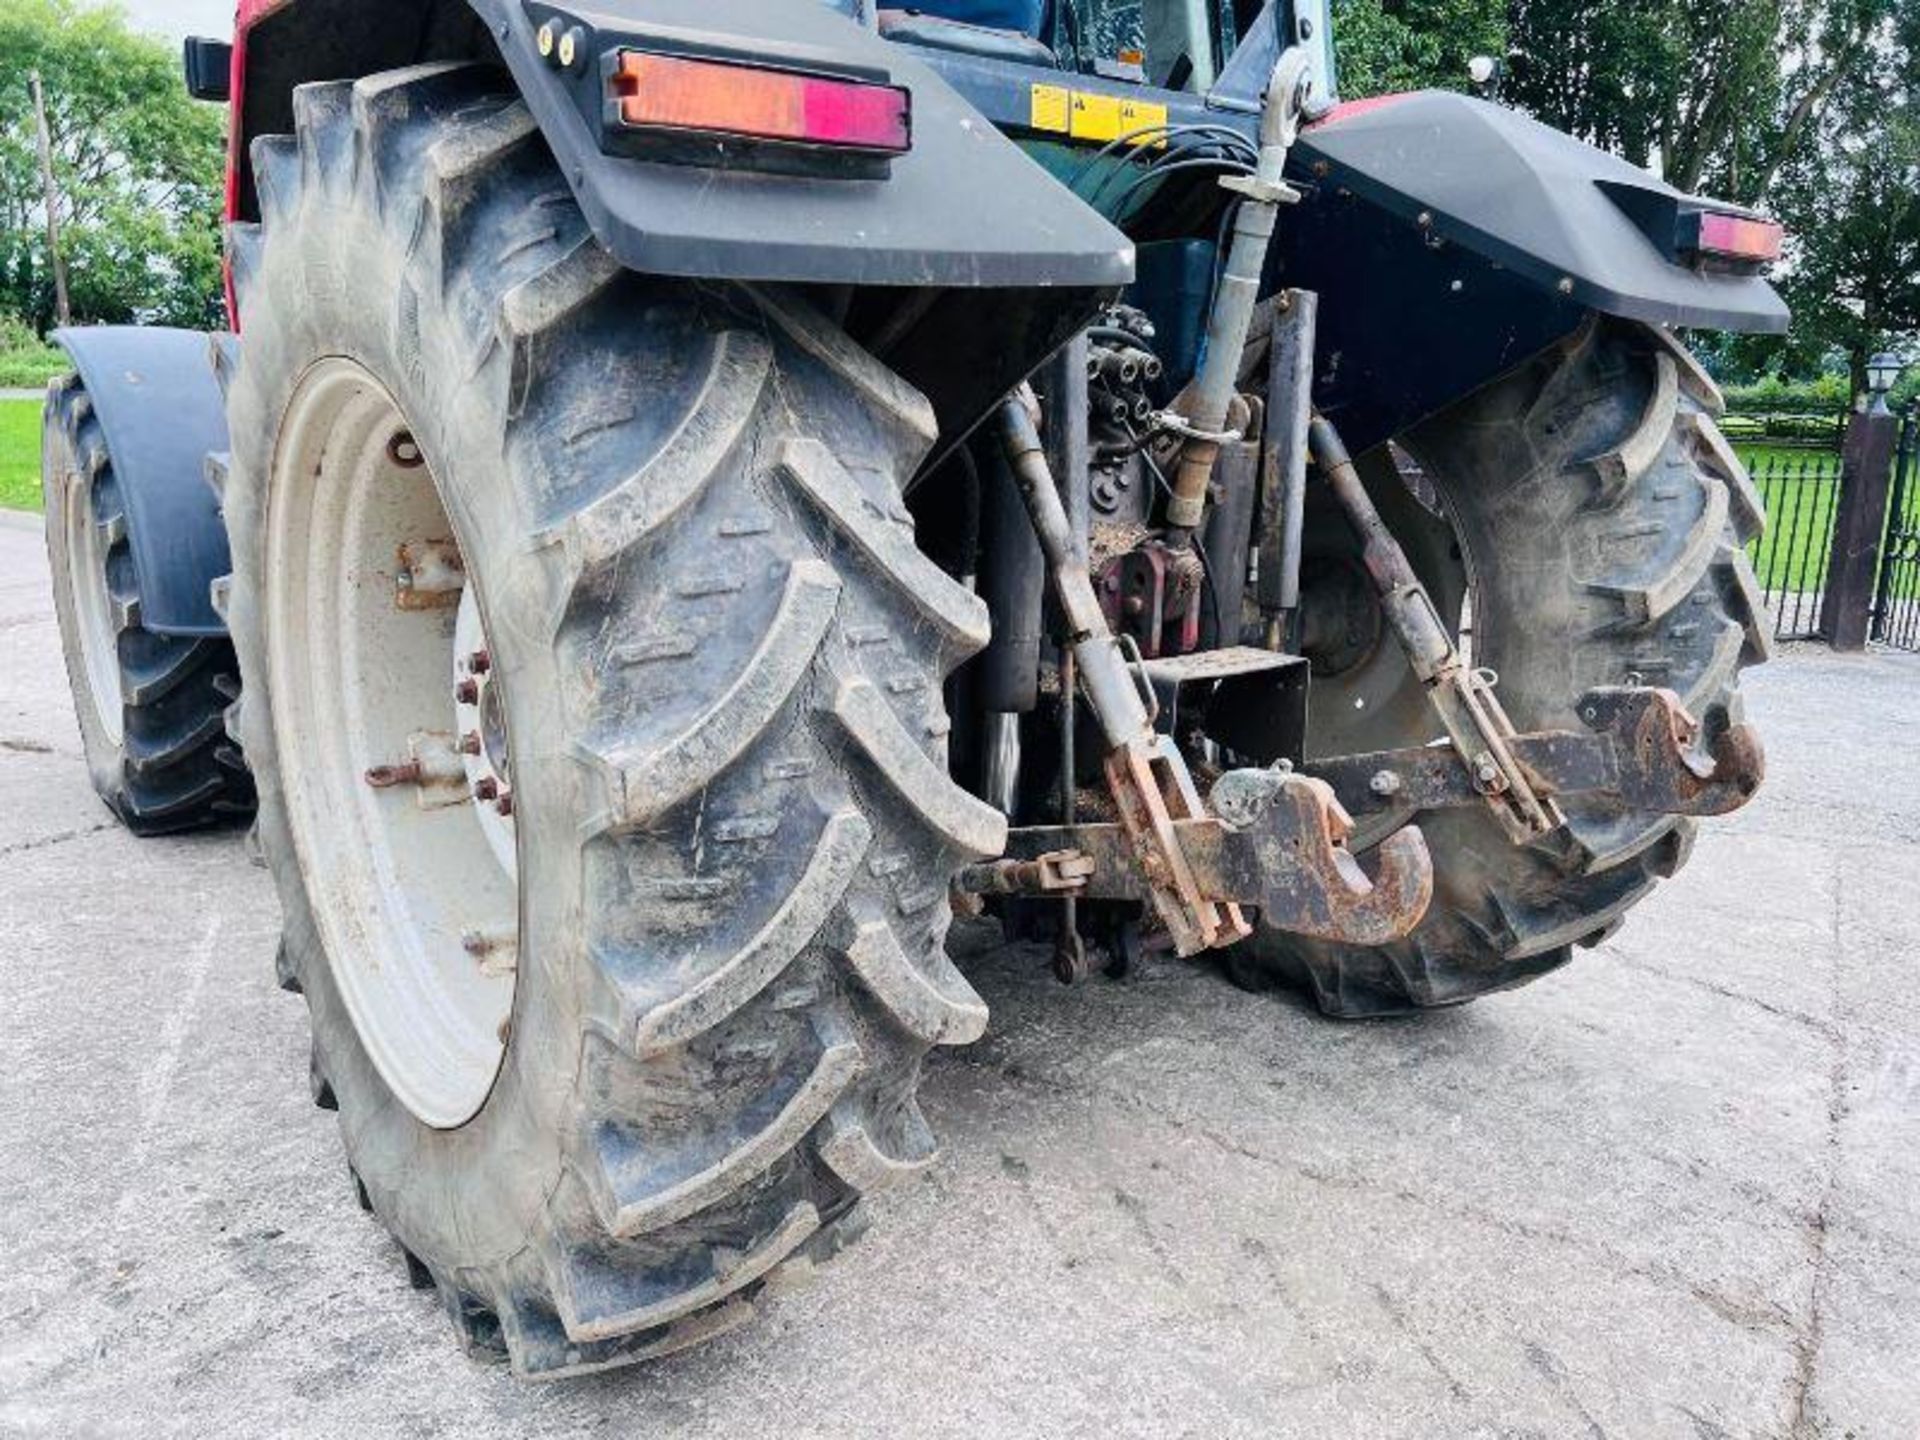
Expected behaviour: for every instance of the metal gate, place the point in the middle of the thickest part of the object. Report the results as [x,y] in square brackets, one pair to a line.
[1896,601]
[1801,491]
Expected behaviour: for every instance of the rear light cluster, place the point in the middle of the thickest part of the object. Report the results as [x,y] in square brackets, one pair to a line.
[1741,238]
[1707,235]
[676,95]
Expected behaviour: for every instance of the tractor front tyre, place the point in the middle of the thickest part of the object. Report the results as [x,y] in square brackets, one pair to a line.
[1596,521]
[593,684]
[150,707]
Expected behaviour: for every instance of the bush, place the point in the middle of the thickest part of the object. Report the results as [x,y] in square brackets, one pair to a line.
[1827,395]
[26,361]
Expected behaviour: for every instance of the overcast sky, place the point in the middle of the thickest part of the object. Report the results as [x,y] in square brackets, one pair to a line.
[177,19]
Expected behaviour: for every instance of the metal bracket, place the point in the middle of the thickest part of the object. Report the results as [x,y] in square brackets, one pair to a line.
[1154,792]
[1147,775]
[1463,697]
[1276,843]
[1643,754]
[1657,754]
[1267,192]
[1056,873]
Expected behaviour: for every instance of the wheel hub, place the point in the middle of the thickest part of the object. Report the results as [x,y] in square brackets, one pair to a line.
[480,720]
[402,826]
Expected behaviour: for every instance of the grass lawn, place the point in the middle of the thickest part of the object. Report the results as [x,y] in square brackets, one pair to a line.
[19,455]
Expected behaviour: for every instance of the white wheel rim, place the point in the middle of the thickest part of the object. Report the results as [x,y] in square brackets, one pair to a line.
[93,609]
[412,884]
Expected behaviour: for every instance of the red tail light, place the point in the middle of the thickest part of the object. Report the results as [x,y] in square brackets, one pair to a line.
[670,93]
[1735,237]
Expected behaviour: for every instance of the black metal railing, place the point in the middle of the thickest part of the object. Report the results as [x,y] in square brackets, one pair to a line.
[1801,490]
[1896,598]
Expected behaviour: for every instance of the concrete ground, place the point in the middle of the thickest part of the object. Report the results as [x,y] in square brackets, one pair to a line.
[1674,1190]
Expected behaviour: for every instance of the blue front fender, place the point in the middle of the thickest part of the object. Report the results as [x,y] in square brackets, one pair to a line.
[157,400]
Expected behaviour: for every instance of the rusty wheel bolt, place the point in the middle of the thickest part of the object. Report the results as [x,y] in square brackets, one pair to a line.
[385,777]
[467,692]
[480,662]
[505,803]
[470,743]
[486,789]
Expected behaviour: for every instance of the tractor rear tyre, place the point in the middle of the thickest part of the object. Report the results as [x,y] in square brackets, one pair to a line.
[151,707]
[594,693]
[1596,521]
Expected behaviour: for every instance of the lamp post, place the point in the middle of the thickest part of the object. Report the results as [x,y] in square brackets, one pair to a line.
[1866,474]
[1883,373]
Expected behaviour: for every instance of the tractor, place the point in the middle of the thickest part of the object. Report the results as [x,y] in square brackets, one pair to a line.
[694,497]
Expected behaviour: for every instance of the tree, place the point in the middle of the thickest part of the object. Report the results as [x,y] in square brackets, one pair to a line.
[139,166]
[1851,201]
[1390,45]
[1716,93]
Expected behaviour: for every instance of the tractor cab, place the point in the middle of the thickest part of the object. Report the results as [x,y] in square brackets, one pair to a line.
[1179,45]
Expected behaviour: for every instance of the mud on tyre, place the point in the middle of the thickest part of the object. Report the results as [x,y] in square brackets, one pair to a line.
[1598,520]
[716,956]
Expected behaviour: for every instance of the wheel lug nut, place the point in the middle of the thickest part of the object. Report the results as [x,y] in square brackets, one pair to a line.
[470,743]
[467,692]
[486,789]
[480,662]
[505,804]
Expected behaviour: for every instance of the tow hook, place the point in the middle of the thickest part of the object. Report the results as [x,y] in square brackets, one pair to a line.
[1657,757]
[1276,841]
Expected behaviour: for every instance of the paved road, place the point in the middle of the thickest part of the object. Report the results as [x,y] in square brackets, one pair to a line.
[1673,1191]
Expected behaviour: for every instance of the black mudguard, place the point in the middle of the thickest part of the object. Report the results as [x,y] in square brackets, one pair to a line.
[1451,239]
[159,403]
[1019,264]
[963,209]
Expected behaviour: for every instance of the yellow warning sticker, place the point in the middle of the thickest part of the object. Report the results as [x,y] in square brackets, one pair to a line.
[1096,117]
[1056,110]
[1136,115]
[1052,109]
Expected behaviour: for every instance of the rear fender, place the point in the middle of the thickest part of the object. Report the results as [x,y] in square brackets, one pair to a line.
[1451,240]
[157,399]
[1018,261]
[965,208]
